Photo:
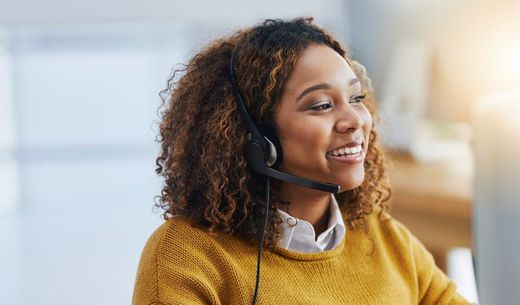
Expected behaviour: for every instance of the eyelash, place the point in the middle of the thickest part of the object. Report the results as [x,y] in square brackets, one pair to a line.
[358,99]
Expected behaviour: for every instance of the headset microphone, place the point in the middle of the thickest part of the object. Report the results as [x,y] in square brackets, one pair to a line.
[254,153]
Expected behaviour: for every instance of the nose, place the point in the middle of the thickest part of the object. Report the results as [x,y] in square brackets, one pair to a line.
[349,120]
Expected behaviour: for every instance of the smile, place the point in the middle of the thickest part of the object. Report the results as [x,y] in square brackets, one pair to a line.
[347,155]
[346,151]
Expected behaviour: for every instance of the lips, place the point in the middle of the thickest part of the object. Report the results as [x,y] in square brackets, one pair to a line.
[347,155]
[346,147]
[344,151]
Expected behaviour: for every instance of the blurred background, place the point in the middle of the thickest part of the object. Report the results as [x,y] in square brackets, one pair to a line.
[79,84]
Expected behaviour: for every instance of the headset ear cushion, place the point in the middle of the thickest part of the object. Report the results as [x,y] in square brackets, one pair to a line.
[275,154]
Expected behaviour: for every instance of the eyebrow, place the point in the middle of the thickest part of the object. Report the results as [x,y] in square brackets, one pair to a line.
[323,86]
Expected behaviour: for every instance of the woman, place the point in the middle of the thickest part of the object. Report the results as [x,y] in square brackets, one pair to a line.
[316,105]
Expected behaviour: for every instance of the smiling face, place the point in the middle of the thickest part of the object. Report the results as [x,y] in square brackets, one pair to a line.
[323,125]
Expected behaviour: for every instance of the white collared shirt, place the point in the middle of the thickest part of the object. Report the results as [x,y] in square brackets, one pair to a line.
[298,235]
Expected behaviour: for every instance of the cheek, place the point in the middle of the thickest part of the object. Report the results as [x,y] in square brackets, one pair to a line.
[367,119]
[302,137]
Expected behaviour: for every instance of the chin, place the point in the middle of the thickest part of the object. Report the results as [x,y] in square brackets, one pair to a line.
[352,181]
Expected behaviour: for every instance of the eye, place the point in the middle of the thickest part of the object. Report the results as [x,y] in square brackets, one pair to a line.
[358,99]
[321,107]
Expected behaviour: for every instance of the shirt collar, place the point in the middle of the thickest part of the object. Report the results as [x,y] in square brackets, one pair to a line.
[298,235]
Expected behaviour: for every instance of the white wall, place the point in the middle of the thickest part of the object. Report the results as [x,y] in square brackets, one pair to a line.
[85,100]
[216,13]
[9,182]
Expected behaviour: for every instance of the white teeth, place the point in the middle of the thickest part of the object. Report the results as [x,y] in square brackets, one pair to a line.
[346,150]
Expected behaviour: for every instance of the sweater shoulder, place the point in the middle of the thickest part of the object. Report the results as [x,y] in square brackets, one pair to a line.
[394,241]
[399,237]
[146,282]
[177,240]
[407,253]
[176,266]
[389,230]
[168,232]
[182,246]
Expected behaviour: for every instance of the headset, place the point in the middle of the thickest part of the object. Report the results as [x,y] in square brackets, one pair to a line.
[263,153]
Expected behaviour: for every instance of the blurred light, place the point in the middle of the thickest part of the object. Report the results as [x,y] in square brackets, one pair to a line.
[477,51]
[509,61]
[503,49]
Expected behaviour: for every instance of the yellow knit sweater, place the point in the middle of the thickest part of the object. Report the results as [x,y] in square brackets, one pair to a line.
[181,264]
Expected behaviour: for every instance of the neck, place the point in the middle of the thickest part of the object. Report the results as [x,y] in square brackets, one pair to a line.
[307,204]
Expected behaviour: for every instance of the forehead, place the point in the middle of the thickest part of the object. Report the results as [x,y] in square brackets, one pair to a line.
[319,64]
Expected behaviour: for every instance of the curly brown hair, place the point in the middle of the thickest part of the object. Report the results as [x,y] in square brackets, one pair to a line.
[202,134]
